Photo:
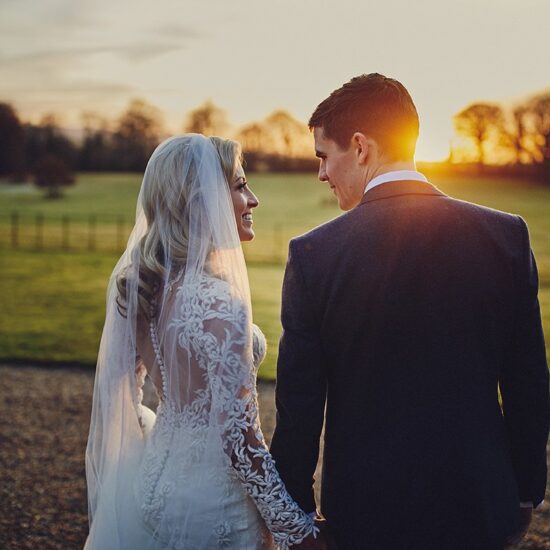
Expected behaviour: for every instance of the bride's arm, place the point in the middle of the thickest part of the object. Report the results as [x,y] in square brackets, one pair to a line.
[146,416]
[234,400]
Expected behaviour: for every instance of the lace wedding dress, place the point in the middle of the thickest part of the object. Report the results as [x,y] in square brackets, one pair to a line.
[198,475]
[243,478]
[179,488]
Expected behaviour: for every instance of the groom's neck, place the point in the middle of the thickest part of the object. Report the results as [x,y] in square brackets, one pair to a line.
[394,166]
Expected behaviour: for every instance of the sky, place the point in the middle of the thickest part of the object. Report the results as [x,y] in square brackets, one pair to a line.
[251,57]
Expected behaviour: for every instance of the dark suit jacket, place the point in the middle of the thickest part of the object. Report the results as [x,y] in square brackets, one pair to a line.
[405,316]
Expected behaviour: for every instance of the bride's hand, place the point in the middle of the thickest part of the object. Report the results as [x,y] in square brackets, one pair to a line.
[322,542]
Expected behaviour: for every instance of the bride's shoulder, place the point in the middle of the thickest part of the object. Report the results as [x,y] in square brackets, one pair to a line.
[205,285]
[207,291]
[215,287]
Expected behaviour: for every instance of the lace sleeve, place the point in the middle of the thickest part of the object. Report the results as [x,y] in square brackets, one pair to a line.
[233,384]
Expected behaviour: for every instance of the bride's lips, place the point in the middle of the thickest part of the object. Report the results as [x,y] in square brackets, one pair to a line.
[247,217]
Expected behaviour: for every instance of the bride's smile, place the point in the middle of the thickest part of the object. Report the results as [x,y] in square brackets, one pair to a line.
[244,201]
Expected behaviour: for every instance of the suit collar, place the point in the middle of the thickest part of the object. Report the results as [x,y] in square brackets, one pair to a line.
[398,188]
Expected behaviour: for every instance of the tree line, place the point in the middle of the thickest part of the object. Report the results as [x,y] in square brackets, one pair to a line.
[279,142]
[511,139]
[488,137]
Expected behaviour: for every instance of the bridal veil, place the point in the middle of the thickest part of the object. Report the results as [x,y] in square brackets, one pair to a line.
[178,307]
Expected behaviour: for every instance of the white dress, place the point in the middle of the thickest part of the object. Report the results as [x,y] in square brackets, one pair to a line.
[177,490]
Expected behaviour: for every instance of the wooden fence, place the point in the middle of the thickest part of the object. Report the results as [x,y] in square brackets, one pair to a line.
[64,233]
[108,234]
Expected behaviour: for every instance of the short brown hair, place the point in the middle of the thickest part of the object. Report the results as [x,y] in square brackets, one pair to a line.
[375,105]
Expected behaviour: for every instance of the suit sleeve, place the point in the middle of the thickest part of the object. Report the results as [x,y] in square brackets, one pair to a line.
[524,382]
[301,387]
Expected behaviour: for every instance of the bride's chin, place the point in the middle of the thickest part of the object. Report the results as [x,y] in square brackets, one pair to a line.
[247,236]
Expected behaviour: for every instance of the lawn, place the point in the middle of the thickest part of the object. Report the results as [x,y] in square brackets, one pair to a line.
[53,300]
[53,306]
[289,205]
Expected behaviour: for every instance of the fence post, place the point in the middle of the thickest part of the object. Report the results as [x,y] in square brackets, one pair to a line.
[120,233]
[92,223]
[65,232]
[39,231]
[15,229]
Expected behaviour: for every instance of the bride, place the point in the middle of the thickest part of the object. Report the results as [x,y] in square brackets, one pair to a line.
[197,474]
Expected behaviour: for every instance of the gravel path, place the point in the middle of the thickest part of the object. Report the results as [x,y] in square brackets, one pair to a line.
[44,418]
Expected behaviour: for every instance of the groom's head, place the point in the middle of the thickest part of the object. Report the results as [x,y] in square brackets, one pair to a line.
[368,123]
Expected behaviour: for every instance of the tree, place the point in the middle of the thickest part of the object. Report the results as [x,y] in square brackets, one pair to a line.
[482,124]
[254,138]
[207,119]
[137,134]
[257,144]
[51,174]
[12,145]
[519,136]
[47,139]
[279,134]
[539,112]
[290,137]
[95,151]
[279,143]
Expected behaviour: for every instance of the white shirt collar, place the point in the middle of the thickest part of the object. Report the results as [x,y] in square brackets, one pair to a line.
[396,175]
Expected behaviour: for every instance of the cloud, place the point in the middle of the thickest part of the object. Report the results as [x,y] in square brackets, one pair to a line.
[33,19]
[146,51]
[130,52]
[78,87]
[176,31]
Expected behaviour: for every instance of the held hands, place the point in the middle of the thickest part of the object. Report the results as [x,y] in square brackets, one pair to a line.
[325,542]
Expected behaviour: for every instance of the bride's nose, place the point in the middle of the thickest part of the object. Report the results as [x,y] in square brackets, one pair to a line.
[253,201]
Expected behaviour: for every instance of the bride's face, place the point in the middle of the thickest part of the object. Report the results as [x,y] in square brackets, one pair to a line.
[244,201]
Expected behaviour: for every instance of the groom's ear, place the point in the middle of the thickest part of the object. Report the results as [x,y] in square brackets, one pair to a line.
[362,146]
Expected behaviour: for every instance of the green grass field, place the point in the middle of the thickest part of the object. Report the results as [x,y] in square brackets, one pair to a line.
[53,301]
[289,204]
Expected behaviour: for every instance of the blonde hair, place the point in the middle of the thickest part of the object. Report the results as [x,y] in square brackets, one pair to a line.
[164,196]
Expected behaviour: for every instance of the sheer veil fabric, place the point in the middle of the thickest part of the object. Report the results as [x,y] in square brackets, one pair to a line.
[197,475]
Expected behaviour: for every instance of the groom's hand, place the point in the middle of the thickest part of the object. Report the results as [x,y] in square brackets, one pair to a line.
[526,515]
[311,543]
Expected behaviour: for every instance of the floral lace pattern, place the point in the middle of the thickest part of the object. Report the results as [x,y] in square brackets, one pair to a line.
[214,328]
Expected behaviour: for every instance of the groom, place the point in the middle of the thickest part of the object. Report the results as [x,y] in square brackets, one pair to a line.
[404,317]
